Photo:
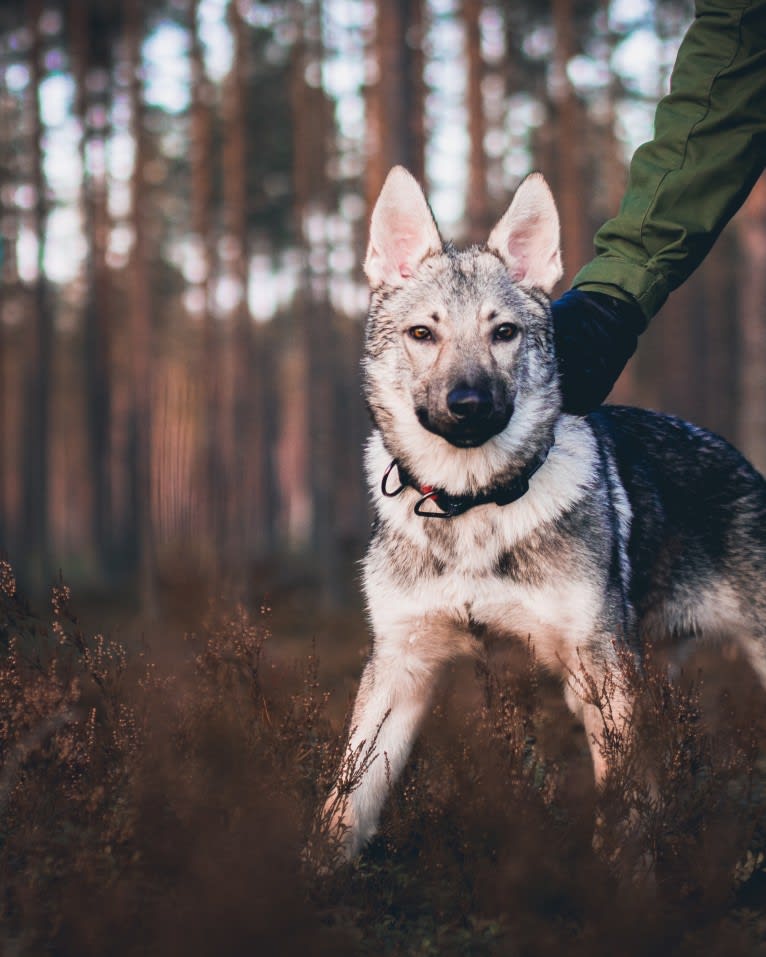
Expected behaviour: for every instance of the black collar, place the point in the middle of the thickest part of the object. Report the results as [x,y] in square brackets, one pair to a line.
[453,505]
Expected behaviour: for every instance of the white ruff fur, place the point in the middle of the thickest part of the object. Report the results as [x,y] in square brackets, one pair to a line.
[568,471]
[554,616]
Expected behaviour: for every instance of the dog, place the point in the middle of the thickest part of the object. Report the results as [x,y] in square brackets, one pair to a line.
[497,515]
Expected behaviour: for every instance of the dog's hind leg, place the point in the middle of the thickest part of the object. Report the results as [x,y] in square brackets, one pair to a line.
[740,594]
[751,639]
[735,607]
[602,695]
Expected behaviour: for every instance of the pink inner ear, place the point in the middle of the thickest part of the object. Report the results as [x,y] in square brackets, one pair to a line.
[402,231]
[519,269]
[403,253]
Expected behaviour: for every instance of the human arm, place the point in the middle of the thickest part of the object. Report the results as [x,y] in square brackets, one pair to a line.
[684,185]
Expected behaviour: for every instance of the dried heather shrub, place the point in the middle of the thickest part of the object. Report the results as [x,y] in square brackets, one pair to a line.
[172,808]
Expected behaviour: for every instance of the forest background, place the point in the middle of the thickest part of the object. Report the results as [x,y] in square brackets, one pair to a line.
[184,192]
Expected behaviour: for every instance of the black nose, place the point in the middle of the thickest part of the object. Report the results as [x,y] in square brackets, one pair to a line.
[467,403]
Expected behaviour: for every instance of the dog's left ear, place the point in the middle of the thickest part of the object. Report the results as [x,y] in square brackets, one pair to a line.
[527,238]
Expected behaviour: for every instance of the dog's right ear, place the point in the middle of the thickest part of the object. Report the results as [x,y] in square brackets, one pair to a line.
[402,231]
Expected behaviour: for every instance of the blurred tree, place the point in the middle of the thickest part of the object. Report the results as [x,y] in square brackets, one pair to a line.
[36,509]
[607,167]
[14,163]
[141,322]
[7,279]
[92,28]
[313,127]
[752,322]
[235,327]
[395,98]
[568,120]
[478,211]
[253,410]
[203,164]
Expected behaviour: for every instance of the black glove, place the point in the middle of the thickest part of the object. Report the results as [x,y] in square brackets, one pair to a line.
[594,336]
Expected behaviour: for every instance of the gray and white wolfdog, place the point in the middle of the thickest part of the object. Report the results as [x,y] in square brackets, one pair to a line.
[498,515]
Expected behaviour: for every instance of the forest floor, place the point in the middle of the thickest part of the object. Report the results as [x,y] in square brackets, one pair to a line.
[160,782]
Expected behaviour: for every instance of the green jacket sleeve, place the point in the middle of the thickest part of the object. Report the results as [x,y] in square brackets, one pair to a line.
[708,150]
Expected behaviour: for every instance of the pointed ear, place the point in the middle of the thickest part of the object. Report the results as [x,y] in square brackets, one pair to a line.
[527,236]
[402,231]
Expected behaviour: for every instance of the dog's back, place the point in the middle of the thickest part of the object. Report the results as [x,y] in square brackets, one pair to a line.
[697,542]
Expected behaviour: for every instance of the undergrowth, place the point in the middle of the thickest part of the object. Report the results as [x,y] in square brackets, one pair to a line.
[150,809]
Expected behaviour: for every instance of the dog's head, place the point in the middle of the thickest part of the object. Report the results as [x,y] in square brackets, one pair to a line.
[459,349]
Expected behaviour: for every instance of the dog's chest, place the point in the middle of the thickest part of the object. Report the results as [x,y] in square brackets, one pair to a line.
[523,595]
[479,579]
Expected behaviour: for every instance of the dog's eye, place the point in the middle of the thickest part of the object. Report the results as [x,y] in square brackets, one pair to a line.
[421,333]
[505,332]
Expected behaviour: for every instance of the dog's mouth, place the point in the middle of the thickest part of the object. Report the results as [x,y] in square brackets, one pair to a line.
[468,434]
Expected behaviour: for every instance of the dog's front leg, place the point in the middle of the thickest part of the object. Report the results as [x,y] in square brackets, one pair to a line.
[394,694]
[596,692]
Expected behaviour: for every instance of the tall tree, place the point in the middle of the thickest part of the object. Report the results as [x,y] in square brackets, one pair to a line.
[231,328]
[86,48]
[609,170]
[253,418]
[752,320]
[203,165]
[14,115]
[718,340]
[567,117]
[312,121]
[6,277]
[141,322]
[477,205]
[40,340]
[396,98]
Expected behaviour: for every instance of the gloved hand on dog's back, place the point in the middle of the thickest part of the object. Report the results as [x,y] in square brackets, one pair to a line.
[595,335]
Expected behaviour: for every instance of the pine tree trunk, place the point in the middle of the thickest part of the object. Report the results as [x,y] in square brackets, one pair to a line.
[141,324]
[210,497]
[39,357]
[98,395]
[250,415]
[719,339]
[396,101]
[315,325]
[6,277]
[610,171]
[477,205]
[568,138]
[752,296]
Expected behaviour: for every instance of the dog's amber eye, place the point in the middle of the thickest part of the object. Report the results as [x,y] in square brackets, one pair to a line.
[421,333]
[505,332]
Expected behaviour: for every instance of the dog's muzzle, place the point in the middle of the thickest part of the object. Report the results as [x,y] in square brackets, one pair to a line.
[472,416]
